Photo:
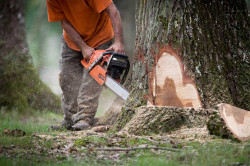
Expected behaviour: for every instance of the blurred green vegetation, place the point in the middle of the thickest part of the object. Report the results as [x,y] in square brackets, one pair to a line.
[29,121]
[21,87]
[43,37]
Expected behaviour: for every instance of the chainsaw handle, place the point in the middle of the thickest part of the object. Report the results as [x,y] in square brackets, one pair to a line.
[85,63]
[115,53]
[108,52]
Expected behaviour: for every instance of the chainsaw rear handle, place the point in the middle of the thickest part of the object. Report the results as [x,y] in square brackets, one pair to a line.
[85,62]
[112,52]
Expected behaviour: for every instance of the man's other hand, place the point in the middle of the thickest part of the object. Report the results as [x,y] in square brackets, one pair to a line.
[87,52]
[117,47]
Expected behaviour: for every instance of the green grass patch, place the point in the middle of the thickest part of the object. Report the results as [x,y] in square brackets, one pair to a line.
[91,140]
[10,162]
[135,142]
[122,142]
[25,141]
[46,162]
[28,127]
[32,122]
[209,154]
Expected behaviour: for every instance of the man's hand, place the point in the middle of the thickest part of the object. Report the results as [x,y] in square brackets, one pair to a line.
[87,51]
[117,47]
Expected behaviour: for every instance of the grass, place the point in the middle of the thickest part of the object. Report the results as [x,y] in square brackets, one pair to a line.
[4,161]
[206,155]
[209,154]
[90,140]
[124,142]
[215,152]
[33,122]
[29,122]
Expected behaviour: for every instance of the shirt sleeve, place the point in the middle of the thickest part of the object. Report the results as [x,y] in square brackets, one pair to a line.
[99,5]
[55,12]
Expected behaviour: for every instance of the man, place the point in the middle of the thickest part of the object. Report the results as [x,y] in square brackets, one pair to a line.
[87,25]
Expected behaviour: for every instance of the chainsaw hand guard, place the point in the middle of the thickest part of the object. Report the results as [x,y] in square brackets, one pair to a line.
[118,67]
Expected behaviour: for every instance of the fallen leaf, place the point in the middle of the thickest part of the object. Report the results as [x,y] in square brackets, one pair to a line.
[14,133]
[101,128]
[91,149]
[1,149]
[71,149]
[18,133]
[143,146]
[116,156]
[100,157]
[6,132]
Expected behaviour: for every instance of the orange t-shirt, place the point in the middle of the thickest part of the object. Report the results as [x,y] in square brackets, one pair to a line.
[86,16]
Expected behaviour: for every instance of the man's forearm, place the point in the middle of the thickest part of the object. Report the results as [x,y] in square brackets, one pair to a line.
[116,22]
[73,34]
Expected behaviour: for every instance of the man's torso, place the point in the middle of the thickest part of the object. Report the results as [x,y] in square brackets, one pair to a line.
[88,18]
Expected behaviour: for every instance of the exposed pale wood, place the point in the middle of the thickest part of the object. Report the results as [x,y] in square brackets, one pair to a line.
[237,121]
[224,120]
[168,83]
[165,119]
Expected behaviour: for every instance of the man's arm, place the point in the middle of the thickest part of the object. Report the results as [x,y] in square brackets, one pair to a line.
[116,21]
[75,36]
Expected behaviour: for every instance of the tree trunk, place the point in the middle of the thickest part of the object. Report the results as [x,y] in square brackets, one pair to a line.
[20,84]
[209,40]
[189,53]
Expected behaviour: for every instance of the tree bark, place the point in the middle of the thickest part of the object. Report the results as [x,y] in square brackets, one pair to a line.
[20,84]
[189,53]
[211,39]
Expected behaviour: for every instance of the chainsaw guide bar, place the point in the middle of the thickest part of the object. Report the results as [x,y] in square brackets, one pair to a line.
[116,87]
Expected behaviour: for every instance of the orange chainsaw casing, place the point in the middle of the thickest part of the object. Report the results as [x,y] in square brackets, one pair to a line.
[97,72]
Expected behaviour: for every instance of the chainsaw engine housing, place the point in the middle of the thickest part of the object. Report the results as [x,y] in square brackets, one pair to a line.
[118,67]
[108,63]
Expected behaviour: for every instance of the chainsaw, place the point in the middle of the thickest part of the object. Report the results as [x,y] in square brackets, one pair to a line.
[109,68]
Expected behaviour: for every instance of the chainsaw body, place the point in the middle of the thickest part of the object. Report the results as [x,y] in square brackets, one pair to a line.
[103,63]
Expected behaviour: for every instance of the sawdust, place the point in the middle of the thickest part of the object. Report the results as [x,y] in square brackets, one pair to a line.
[192,134]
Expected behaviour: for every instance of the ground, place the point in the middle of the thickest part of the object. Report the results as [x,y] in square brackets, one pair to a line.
[35,144]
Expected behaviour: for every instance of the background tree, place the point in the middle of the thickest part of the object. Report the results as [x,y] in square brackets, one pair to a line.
[20,84]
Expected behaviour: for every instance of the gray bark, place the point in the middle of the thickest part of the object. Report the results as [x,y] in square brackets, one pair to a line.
[212,38]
